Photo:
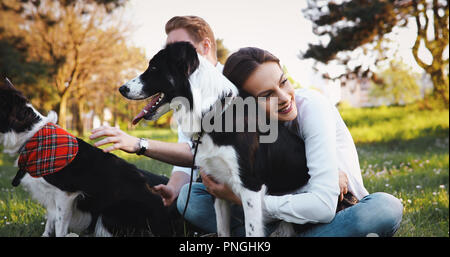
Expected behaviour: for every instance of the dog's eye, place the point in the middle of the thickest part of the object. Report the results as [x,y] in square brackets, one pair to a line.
[153,68]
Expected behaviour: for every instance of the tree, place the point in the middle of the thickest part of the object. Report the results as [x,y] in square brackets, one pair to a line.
[81,45]
[101,90]
[361,27]
[66,35]
[222,51]
[399,85]
[14,61]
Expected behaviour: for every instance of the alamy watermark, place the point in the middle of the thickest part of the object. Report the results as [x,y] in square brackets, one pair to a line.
[231,114]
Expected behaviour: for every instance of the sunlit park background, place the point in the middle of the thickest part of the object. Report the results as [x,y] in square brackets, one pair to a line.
[384,63]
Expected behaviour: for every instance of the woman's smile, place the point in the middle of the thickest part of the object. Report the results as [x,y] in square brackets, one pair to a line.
[287,109]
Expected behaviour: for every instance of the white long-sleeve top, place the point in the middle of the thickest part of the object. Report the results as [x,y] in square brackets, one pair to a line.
[329,148]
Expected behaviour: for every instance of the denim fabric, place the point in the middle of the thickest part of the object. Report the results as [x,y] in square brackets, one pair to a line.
[379,213]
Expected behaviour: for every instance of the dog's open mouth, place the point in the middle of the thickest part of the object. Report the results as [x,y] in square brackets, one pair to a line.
[150,109]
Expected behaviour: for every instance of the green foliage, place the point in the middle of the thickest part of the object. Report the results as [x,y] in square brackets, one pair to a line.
[356,36]
[70,57]
[14,63]
[349,24]
[291,80]
[398,85]
[222,51]
[110,5]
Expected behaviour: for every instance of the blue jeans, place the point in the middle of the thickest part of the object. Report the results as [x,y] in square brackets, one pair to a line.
[379,213]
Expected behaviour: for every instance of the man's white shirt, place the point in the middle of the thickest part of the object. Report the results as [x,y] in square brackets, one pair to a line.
[184,139]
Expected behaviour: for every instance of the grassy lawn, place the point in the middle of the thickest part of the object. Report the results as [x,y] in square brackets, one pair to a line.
[402,151]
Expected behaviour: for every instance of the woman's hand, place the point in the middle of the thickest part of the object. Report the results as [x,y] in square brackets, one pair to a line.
[343,184]
[218,190]
[117,137]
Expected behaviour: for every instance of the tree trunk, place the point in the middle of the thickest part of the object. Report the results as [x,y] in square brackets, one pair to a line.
[441,86]
[435,45]
[62,112]
[80,121]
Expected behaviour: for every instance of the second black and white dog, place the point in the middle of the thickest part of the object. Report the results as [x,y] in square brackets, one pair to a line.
[96,193]
[238,159]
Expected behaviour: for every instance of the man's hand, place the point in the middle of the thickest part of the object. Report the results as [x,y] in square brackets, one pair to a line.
[218,190]
[343,184]
[117,137]
[167,193]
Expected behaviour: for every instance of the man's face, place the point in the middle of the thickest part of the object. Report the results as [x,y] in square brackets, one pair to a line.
[181,35]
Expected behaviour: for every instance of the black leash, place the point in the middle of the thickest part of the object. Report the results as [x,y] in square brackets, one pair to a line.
[196,143]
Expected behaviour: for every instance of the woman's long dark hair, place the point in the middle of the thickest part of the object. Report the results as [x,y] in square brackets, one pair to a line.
[241,64]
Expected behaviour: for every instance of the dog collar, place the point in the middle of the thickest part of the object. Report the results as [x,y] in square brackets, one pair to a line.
[48,151]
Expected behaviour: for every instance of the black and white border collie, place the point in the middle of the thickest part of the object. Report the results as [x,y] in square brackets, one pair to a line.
[97,193]
[237,159]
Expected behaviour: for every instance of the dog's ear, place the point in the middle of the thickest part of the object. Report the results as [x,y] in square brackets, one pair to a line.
[185,90]
[7,85]
[185,57]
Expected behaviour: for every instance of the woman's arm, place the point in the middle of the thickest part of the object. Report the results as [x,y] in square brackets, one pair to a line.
[173,153]
[178,154]
[318,203]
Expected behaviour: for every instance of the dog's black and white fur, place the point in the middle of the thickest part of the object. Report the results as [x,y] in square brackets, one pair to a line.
[234,158]
[97,193]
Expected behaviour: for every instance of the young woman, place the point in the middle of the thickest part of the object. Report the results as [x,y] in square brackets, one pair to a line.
[331,158]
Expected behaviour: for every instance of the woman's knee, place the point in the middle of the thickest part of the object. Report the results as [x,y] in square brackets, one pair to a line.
[392,206]
[387,212]
[200,207]
[183,195]
[197,199]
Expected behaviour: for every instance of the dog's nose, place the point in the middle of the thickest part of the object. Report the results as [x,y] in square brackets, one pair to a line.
[124,90]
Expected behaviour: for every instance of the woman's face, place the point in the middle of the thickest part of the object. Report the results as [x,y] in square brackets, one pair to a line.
[269,81]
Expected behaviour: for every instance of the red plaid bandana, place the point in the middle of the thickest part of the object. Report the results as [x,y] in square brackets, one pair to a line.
[48,151]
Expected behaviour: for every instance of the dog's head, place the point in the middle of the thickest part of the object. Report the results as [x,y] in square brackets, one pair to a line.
[166,77]
[17,117]
[177,71]
[16,114]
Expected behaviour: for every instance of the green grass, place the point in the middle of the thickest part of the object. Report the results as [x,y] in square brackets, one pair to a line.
[402,151]
[19,214]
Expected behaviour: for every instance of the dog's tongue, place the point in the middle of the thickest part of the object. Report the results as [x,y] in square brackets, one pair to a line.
[146,109]
[138,117]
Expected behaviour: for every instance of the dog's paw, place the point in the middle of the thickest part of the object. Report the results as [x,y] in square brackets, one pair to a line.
[46,234]
[284,229]
[72,235]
